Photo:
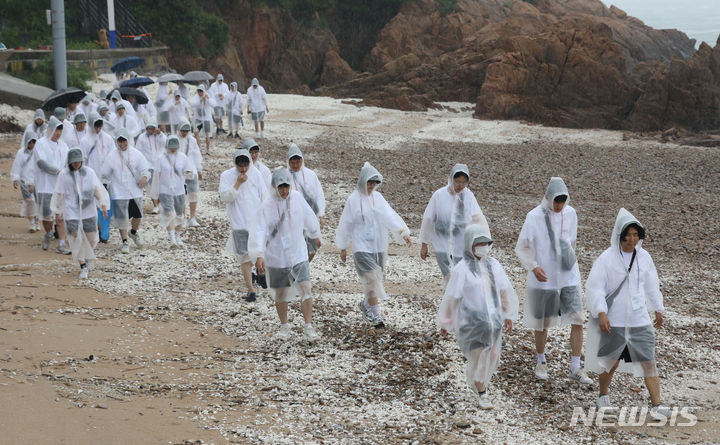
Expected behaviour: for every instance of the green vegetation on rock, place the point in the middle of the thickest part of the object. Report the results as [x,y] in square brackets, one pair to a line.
[44,75]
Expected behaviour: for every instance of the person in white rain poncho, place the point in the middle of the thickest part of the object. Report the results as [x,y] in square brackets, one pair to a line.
[219,92]
[622,287]
[189,147]
[49,156]
[172,168]
[545,248]
[126,121]
[235,110]
[22,177]
[87,105]
[257,106]
[180,110]
[116,99]
[128,171]
[108,117]
[38,125]
[286,217]
[307,183]
[450,210]
[152,145]
[252,146]
[78,194]
[162,103]
[96,146]
[365,221]
[242,191]
[203,106]
[183,89]
[478,301]
[77,131]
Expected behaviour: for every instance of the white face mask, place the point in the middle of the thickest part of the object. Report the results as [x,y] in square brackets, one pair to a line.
[482,251]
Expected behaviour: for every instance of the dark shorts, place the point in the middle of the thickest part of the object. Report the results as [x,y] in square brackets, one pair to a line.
[258,116]
[163,117]
[89,225]
[219,112]
[639,344]
[367,262]
[43,202]
[443,260]
[479,336]
[240,242]
[170,203]
[547,302]
[280,277]
[127,208]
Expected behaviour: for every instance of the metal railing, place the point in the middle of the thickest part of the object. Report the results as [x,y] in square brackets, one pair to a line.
[131,32]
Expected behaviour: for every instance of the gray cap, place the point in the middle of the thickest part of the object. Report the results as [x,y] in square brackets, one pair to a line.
[201,87]
[122,133]
[120,106]
[281,176]
[40,114]
[241,152]
[75,155]
[103,93]
[233,84]
[249,144]
[95,117]
[220,77]
[184,125]
[59,113]
[172,142]
[87,99]
[254,82]
[79,117]
[102,107]
[151,123]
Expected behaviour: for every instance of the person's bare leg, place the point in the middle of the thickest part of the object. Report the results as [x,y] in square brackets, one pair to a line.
[47,226]
[156,202]
[282,311]
[306,308]
[576,340]
[605,379]
[480,386]
[256,127]
[60,225]
[262,125]
[135,223]
[310,257]
[540,340]
[123,234]
[207,143]
[193,208]
[247,275]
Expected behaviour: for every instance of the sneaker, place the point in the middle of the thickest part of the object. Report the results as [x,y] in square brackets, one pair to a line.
[311,334]
[173,243]
[237,136]
[364,311]
[484,401]
[541,371]
[46,240]
[603,403]
[63,250]
[262,134]
[217,131]
[377,321]
[261,281]
[83,273]
[193,223]
[185,223]
[661,410]
[252,296]
[136,239]
[125,247]
[257,135]
[155,210]
[179,242]
[207,153]
[581,377]
[284,333]
[230,136]
[90,265]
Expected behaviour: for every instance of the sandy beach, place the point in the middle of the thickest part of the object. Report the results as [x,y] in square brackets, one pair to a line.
[159,347]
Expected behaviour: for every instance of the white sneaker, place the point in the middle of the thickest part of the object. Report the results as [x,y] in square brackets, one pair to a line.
[193,223]
[125,247]
[661,410]
[603,403]
[155,210]
[262,134]
[83,273]
[89,265]
[284,333]
[173,243]
[484,401]
[541,371]
[311,334]
[46,240]
[257,135]
[581,377]
[185,223]
[179,242]
[136,239]
[364,311]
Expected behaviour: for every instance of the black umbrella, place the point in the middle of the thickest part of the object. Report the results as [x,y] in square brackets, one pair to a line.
[137,82]
[127,63]
[139,96]
[197,76]
[171,77]
[63,97]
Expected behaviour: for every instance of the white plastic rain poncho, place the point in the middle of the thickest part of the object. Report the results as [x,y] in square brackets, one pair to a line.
[172,170]
[365,222]
[179,110]
[87,105]
[162,103]
[23,171]
[203,108]
[71,135]
[184,91]
[96,146]
[151,146]
[49,159]
[190,148]
[112,104]
[284,222]
[560,294]
[108,118]
[256,98]
[78,194]
[243,208]
[307,183]
[33,127]
[219,91]
[248,144]
[146,111]
[477,300]
[128,122]
[625,297]
[446,216]
[125,169]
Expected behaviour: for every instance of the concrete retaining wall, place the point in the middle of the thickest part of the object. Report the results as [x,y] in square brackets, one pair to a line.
[99,60]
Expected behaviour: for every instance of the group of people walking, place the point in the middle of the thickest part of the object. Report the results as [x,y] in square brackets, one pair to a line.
[76,182]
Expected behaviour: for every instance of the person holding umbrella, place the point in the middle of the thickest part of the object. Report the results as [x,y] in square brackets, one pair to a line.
[49,157]
[203,106]
[219,92]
